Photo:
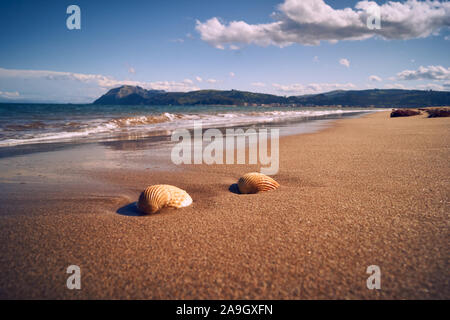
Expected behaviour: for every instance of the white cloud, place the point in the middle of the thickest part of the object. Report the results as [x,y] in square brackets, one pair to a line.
[258,84]
[211,81]
[312,88]
[395,86]
[427,86]
[375,78]
[9,94]
[309,22]
[232,74]
[446,38]
[131,70]
[96,79]
[316,59]
[345,62]
[431,86]
[425,73]
[183,86]
[199,79]
[234,47]
[101,80]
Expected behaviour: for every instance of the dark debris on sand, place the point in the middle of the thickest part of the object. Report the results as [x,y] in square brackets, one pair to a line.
[404,113]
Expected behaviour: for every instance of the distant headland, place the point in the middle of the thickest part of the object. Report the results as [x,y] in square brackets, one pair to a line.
[379,98]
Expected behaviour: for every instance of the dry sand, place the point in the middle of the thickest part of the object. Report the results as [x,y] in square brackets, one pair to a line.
[366,191]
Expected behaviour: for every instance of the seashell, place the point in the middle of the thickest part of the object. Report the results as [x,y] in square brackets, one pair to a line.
[159,196]
[254,182]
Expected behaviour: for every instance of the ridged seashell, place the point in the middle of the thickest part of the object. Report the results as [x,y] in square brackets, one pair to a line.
[158,196]
[254,182]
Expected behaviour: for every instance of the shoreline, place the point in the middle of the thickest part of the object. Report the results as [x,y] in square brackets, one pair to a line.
[364,191]
[144,127]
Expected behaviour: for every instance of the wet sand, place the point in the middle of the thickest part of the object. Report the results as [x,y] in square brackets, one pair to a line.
[366,191]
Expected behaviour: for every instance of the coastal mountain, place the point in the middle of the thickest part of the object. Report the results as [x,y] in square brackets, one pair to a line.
[132,95]
[128,95]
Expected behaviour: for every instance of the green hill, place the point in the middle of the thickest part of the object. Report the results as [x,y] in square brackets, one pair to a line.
[130,95]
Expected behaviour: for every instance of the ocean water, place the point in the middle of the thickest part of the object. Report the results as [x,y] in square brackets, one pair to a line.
[23,124]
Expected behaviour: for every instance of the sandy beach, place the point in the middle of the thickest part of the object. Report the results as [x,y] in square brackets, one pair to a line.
[364,191]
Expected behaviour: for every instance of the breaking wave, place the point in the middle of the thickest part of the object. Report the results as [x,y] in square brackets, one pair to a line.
[46,131]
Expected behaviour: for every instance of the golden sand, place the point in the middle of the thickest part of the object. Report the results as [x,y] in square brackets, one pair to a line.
[366,191]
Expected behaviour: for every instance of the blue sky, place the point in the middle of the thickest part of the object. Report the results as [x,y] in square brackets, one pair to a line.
[177,46]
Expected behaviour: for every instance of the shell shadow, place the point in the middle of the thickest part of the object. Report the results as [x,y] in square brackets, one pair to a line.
[130,210]
[234,188]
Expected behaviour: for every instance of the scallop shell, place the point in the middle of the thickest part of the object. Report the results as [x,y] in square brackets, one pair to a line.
[254,182]
[159,196]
